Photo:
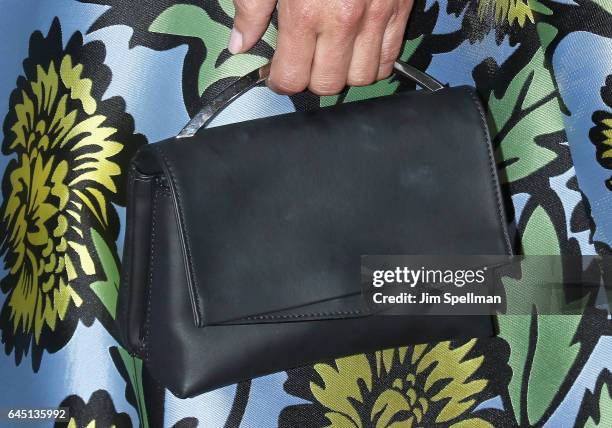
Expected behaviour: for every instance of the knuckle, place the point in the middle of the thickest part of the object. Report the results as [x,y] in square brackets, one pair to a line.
[325,87]
[360,76]
[380,11]
[361,79]
[350,13]
[401,10]
[287,84]
[386,60]
[303,14]
[389,53]
[383,74]
[384,70]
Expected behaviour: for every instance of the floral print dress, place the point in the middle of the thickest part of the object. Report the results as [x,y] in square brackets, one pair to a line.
[84,84]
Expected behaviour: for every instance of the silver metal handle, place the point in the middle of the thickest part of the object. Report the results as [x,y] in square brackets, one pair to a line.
[255,77]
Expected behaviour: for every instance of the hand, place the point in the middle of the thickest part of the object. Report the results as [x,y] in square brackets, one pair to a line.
[324,45]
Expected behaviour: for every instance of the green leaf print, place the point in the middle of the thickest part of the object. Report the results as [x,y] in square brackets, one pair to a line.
[106,290]
[529,108]
[193,21]
[605,409]
[133,366]
[536,377]
[605,5]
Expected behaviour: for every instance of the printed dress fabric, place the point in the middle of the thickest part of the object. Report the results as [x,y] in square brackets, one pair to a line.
[83,84]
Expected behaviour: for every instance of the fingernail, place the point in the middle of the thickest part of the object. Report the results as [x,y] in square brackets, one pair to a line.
[235,41]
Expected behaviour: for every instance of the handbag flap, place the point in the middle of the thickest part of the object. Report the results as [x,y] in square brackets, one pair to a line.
[275,213]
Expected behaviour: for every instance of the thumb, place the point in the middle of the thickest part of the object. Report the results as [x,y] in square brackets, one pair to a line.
[250,22]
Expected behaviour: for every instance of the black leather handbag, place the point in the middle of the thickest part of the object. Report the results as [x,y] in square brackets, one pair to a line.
[243,242]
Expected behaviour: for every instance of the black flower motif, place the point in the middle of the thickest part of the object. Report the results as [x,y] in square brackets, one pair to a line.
[98,412]
[69,152]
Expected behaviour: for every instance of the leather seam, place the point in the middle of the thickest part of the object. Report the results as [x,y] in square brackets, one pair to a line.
[492,169]
[127,268]
[145,342]
[311,315]
[179,202]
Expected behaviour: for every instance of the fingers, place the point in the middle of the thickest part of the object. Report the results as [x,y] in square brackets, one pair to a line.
[365,60]
[250,22]
[295,47]
[323,45]
[334,50]
[314,46]
[393,38]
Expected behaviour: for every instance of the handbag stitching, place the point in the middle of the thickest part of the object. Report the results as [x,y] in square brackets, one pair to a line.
[313,315]
[126,267]
[492,168]
[193,289]
[145,341]
[125,276]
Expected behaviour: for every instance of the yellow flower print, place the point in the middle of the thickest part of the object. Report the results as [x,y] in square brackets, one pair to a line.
[506,11]
[67,166]
[508,18]
[423,385]
[38,240]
